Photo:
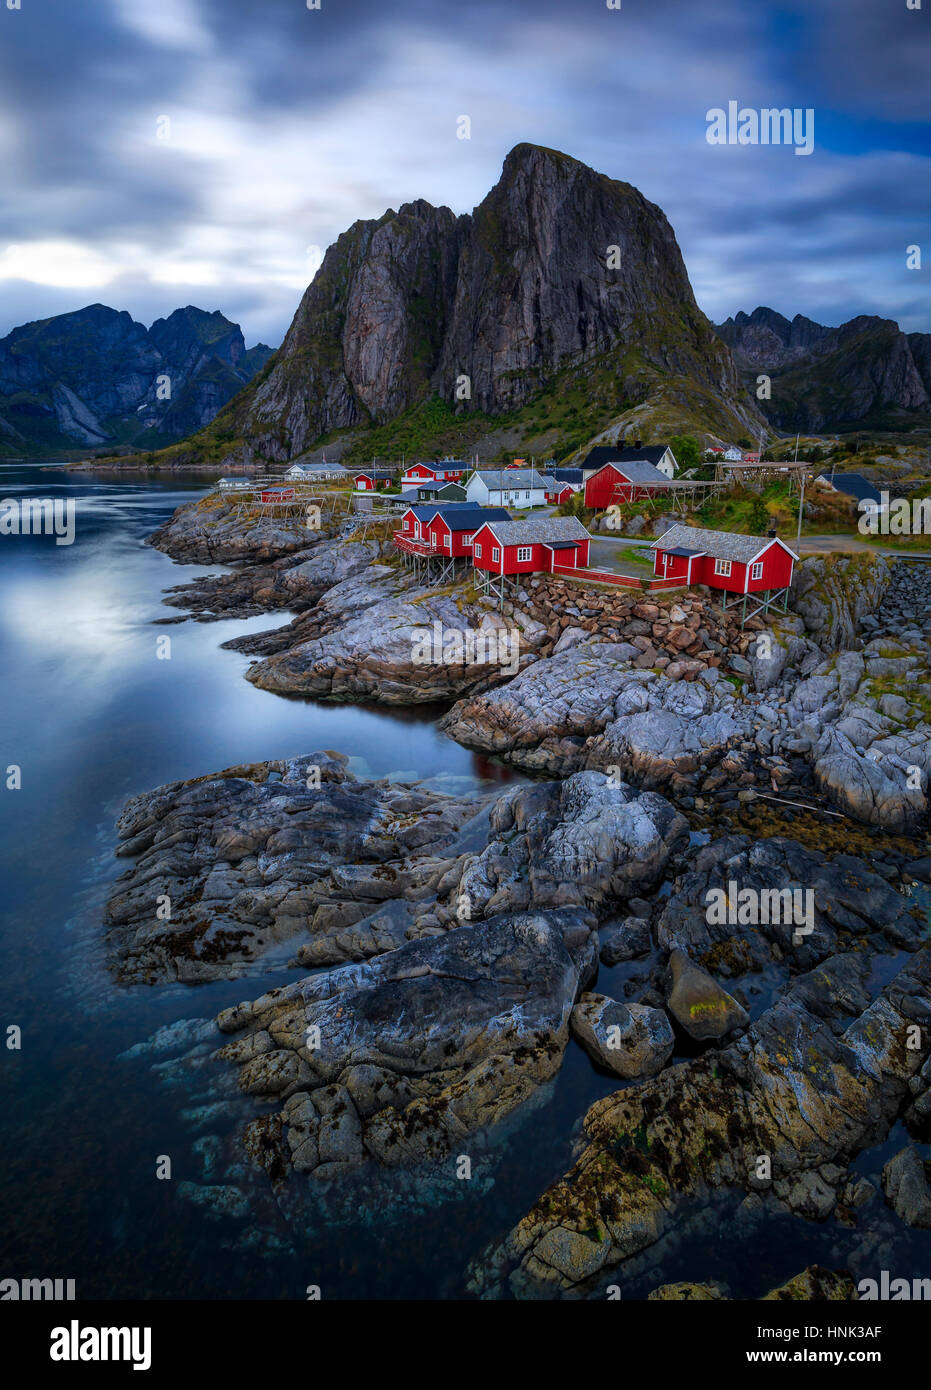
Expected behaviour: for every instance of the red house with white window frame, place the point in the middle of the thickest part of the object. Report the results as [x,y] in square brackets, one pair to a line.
[375,480]
[448,529]
[723,560]
[623,482]
[431,473]
[531,545]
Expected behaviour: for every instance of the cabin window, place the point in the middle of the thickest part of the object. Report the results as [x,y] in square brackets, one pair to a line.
[524,552]
[495,554]
[467,540]
[448,540]
[722,567]
[757,570]
[527,493]
[667,561]
[416,528]
[478,552]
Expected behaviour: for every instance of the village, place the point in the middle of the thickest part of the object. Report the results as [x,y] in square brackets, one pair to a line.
[497,524]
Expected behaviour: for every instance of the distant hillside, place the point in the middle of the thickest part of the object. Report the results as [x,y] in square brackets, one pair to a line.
[867,374]
[96,377]
[559,310]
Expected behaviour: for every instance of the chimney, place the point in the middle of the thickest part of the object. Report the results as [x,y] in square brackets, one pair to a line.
[772,533]
[638,443]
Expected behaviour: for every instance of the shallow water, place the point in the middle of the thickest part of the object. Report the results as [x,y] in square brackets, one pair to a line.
[91,715]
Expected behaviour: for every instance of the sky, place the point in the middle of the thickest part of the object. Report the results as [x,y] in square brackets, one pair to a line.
[158,153]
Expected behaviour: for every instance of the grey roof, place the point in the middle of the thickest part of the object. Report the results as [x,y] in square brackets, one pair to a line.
[318,470]
[509,478]
[639,471]
[543,528]
[721,545]
[854,485]
[568,475]
[373,473]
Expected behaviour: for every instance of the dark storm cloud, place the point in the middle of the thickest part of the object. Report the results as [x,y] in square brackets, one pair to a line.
[288,124]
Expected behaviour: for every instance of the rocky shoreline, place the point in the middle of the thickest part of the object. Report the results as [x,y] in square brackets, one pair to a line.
[449,949]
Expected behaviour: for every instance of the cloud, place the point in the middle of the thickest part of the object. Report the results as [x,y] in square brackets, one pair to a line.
[286,125]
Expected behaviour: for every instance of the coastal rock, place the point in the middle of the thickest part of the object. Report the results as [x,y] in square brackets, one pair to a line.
[415,648]
[740,906]
[582,842]
[631,1040]
[403,1057]
[686,1293]
[699,1004]
[832,594]
[905,1183]
[788,1088]
[269,853]
[214,530]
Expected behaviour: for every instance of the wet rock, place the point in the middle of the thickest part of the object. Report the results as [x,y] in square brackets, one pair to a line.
[699,1004]
[402,1057]
[905,1183]
[686,1293]
[629,1039]
[228,867]
[630,940]
[787,1088]
[815,1284]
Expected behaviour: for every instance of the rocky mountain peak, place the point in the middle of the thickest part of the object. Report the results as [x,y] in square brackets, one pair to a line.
[558,265]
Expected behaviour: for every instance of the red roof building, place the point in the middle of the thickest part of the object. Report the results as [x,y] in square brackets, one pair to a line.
[374,480]
[432,473]
[723,560]
[447,530]
[531,545]
[560,492]
[623,482]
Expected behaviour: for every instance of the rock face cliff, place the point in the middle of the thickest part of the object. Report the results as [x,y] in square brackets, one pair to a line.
[92,377]
[422,303]
[867,373]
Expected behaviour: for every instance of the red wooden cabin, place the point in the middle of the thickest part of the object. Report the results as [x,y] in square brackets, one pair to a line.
[375,480]
[448,529]
[723,560]
[623,482]
[531,545]
[559,493]
[432,473]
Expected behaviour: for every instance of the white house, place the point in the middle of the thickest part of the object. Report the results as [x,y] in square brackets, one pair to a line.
[316,472]
[234,484]
[734,455]
[506,487]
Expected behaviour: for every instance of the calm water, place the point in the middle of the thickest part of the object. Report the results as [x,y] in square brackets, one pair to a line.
[91,716]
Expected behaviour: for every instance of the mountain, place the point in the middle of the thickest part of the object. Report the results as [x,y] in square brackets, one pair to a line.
[515,303]
[97,377]
[867,374]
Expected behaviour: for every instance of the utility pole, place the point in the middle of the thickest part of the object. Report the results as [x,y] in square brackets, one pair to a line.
[801,500]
